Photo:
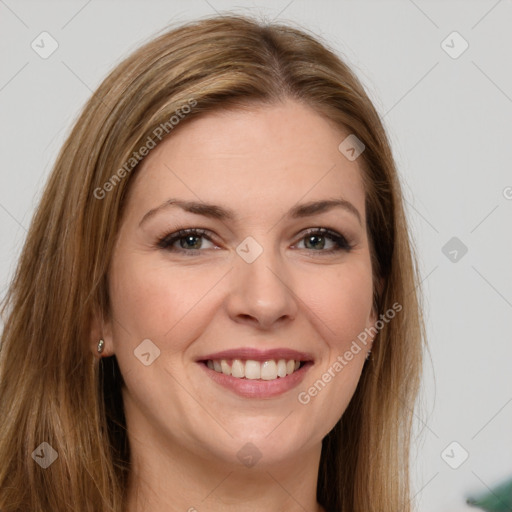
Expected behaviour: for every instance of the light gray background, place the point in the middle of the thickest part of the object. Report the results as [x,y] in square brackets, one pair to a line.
[450,124]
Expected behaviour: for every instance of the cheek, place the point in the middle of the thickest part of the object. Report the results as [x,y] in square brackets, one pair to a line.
[150,300]
[341,302]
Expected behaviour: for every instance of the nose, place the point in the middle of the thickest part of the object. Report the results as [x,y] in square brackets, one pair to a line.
[261,293]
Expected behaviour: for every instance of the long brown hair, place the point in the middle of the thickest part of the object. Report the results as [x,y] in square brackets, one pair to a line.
[53,389]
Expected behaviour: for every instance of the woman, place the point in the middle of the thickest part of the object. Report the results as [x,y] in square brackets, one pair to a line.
[217,305]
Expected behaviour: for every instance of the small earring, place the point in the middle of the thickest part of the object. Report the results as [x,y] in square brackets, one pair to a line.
[101,346]
[368,355]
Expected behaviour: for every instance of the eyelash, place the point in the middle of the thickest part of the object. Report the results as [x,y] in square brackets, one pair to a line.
[166,241]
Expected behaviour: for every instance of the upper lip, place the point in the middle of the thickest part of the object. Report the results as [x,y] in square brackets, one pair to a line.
[258,354]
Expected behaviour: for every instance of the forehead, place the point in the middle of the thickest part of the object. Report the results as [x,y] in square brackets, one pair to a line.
[251,160]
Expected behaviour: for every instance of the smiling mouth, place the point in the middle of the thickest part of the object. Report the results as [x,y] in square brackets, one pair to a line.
[250,369]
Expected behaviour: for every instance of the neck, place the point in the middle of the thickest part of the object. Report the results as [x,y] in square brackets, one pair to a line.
[167,477]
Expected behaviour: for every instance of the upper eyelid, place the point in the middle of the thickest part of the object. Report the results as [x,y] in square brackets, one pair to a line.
[206,233]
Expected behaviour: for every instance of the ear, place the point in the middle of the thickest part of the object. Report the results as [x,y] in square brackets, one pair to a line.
[100,329]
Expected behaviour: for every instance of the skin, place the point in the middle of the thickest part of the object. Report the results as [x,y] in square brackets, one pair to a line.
[184,429]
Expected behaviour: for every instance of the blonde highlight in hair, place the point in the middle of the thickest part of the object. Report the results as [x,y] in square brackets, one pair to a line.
[53,389]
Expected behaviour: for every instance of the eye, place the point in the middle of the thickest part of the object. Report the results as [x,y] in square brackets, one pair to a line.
[189,240]
[315,239]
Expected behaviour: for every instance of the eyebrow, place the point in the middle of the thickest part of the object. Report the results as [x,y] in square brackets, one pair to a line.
[221,213]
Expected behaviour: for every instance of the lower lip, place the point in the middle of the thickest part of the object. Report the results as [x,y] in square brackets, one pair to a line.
[257,388]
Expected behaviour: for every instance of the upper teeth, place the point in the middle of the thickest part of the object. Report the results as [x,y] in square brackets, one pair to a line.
[250,369]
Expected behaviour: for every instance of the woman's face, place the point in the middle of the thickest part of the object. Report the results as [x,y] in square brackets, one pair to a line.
[257,286]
